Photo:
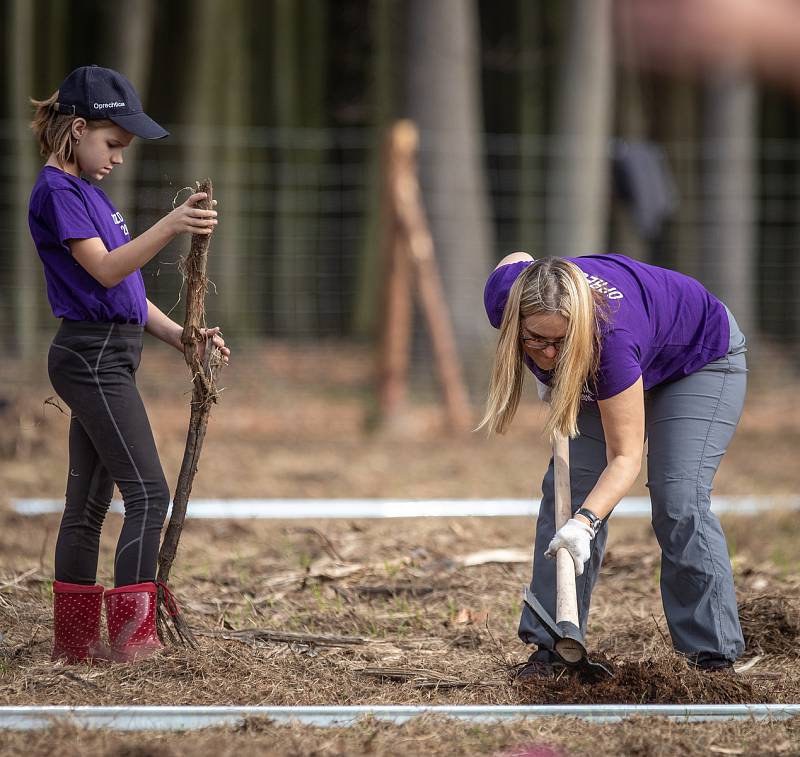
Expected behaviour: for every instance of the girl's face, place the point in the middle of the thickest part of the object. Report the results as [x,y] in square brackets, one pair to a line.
[100,148]
[541,335]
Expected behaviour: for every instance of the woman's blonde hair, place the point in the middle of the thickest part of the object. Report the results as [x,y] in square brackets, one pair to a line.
[547,285]
[53,130]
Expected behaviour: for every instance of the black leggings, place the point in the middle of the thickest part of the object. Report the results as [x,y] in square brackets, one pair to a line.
[92,367]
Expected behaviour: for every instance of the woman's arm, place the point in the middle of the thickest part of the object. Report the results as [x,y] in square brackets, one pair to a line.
[623,426]
[514,257]
[109,268]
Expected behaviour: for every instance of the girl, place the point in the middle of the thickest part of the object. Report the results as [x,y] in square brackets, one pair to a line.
[626,351]
[94,285]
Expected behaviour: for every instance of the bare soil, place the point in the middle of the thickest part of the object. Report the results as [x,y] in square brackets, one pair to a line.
[360,612]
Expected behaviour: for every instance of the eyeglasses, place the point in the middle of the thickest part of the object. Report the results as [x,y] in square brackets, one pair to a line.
[537,343]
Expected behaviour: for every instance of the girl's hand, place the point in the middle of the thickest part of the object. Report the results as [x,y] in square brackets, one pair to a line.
[216,338]
[191,219]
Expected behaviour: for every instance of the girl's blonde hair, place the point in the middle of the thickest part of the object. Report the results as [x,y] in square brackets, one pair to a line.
[547,285]
[53,130]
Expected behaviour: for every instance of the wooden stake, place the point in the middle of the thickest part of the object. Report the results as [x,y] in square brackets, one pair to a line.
[204,394]
[396,310]
[412,240]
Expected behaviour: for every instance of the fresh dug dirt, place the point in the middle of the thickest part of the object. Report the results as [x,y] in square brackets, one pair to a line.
[663,681]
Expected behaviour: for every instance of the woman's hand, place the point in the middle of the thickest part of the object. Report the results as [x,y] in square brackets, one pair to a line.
[191,219]
[576,537]
[216,339]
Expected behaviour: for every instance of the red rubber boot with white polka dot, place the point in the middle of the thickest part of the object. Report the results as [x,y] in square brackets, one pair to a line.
[131,617]
[76,622]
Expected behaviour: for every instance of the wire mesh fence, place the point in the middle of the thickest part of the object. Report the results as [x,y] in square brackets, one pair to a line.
[298,252]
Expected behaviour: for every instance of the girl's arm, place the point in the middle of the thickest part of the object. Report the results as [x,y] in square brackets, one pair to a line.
[161,326]
[623,425]
[109,268]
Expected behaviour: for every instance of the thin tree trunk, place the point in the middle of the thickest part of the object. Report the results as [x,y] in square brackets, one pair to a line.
[129,50]
[293,308]
[19,79]
[577,203]
[630,118]
[676,122]
[532,94]
[51,24]
[443,99]
[383,20]
[259,267]
[729,185]
[201,85]
[234,293]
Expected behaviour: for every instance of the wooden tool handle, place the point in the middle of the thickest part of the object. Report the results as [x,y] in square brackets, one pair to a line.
[562,486]
[566,594]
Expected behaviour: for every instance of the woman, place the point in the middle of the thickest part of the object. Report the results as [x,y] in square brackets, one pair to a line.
[625,352]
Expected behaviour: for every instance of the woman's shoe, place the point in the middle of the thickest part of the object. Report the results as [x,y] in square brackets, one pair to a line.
[543,663]
[710,662]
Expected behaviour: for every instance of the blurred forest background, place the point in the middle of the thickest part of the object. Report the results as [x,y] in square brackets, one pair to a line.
[532,136]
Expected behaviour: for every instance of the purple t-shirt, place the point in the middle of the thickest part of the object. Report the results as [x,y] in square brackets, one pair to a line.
[662,325]
[64,207]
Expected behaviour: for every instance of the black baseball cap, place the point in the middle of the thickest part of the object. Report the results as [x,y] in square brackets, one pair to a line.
[93,93]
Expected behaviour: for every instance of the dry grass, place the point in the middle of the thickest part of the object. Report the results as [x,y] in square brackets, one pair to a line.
[376,612]
[435,737]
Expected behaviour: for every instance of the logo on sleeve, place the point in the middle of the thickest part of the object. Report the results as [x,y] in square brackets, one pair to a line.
[120,221]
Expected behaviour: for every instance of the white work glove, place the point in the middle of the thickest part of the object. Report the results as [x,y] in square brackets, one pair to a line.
[542,390]
[576,537]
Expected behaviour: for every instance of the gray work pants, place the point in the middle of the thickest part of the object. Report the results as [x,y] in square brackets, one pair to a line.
[689,424]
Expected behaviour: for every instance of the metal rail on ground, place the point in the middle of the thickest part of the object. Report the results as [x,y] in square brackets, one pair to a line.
[634,507]
[145,718]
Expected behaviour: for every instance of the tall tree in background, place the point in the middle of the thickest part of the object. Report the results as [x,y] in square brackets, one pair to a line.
[578,180]
[443,98]
[631,124]
[298,86]
[19,87]
[676,125]
[214,111]
[729,184]
[382,100]
[532,126]
[236,303]
[128,47]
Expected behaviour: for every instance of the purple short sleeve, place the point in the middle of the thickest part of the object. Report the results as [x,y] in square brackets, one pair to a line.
[498,285]
[64,207]
[69,215]
[620,364]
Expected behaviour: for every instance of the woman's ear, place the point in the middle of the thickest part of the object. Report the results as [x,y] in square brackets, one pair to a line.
[78,127]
